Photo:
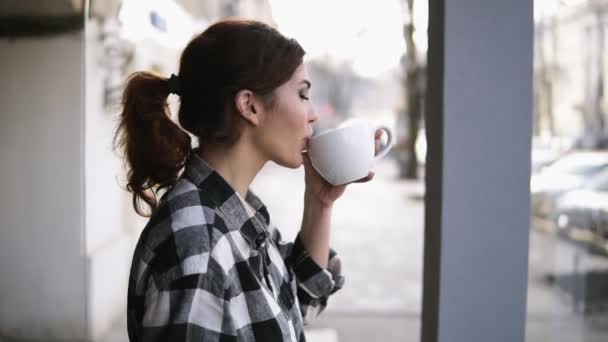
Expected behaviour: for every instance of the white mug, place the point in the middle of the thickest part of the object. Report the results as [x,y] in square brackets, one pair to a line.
[347,153]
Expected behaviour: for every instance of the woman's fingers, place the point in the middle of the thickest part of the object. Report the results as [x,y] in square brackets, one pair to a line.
[306,159]
[366,179]
[378,139]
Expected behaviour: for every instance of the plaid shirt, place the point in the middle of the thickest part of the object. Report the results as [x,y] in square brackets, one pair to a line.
[210,266]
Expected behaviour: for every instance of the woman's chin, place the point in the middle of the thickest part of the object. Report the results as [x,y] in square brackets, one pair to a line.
[296,163]
[292,163]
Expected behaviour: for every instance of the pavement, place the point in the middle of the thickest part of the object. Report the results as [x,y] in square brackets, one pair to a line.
[377,229]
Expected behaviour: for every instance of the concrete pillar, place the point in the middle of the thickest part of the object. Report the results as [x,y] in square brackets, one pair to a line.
[479,124]
[42,250]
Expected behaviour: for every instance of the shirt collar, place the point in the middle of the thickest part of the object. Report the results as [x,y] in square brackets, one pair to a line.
[227,200]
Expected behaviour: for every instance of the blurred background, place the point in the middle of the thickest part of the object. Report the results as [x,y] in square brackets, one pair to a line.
[68,228]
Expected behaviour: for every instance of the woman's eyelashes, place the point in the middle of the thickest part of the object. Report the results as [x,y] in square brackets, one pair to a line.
[304,96]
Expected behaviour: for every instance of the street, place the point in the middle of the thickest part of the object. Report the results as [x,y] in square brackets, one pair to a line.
[377,229]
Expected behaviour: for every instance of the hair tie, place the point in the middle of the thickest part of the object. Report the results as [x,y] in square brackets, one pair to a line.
[174,85]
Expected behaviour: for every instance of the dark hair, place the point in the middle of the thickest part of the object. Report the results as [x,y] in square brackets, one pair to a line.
[229,56]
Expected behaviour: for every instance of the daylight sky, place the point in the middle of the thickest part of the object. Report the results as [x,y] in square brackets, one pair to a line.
[367,33]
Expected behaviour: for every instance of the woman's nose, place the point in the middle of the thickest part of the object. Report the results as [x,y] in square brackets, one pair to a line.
[313,117]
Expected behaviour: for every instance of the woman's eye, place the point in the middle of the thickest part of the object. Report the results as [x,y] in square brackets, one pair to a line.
[303,96]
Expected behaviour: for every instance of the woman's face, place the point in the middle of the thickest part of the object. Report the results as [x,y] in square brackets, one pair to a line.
[287,125]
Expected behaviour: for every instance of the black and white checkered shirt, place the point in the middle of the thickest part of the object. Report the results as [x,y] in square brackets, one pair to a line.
[210,266]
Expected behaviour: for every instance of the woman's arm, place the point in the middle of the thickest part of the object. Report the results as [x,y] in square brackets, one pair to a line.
[315,230]
[319,199]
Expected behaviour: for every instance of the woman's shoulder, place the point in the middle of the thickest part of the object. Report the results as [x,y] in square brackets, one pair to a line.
[182,233]
[183,214]
[186,193]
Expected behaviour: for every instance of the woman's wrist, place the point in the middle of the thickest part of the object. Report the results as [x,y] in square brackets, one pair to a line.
[315,202]
[315,230]
[314,209]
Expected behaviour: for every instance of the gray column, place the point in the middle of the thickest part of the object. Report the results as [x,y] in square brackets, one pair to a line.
[43,281]
[479,126]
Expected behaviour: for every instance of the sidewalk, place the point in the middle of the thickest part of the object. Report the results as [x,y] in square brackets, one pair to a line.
[377,229]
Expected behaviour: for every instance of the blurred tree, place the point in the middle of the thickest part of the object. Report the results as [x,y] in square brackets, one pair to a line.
[414,85]
[593,111]
[545,77]
[596,110]
[334,86]
[560,69]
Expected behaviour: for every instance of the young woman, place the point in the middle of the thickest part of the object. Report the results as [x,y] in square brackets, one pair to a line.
[209,265]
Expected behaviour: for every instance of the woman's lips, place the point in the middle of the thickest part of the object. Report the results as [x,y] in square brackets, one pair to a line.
[306,144]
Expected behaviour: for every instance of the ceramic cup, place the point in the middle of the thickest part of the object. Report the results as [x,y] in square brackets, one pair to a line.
[347,153]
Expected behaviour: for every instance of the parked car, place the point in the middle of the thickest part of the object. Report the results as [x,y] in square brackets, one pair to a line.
[582,215]
[590,141]
[569,172]
[545,152]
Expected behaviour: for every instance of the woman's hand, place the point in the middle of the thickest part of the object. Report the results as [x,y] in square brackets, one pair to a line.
[320,190]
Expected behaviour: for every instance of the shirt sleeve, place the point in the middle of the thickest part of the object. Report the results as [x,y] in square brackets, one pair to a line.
[314,283]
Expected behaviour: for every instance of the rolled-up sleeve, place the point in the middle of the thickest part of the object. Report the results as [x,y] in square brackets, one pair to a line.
[314,283]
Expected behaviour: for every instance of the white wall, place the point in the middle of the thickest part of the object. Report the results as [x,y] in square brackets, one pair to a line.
[42,284]
[111,226]
[68,229]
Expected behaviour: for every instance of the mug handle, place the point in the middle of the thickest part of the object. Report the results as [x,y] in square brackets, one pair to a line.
[389,143]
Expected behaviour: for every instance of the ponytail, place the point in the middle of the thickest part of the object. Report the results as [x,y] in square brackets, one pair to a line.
[154,147]
[228,56]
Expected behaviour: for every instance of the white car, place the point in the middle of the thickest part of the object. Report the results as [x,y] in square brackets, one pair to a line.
[568,173]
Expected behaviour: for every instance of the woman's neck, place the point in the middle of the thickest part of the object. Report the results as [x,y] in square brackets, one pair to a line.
[238,164]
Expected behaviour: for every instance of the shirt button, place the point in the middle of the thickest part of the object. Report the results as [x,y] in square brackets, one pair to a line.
[260,240]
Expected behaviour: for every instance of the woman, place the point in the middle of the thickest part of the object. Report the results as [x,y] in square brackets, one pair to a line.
[209,265]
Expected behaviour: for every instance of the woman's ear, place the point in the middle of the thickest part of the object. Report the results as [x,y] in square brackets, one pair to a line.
[247,107]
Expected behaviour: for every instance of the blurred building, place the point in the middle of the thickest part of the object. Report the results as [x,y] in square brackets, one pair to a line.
[68,227]
[569,70]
